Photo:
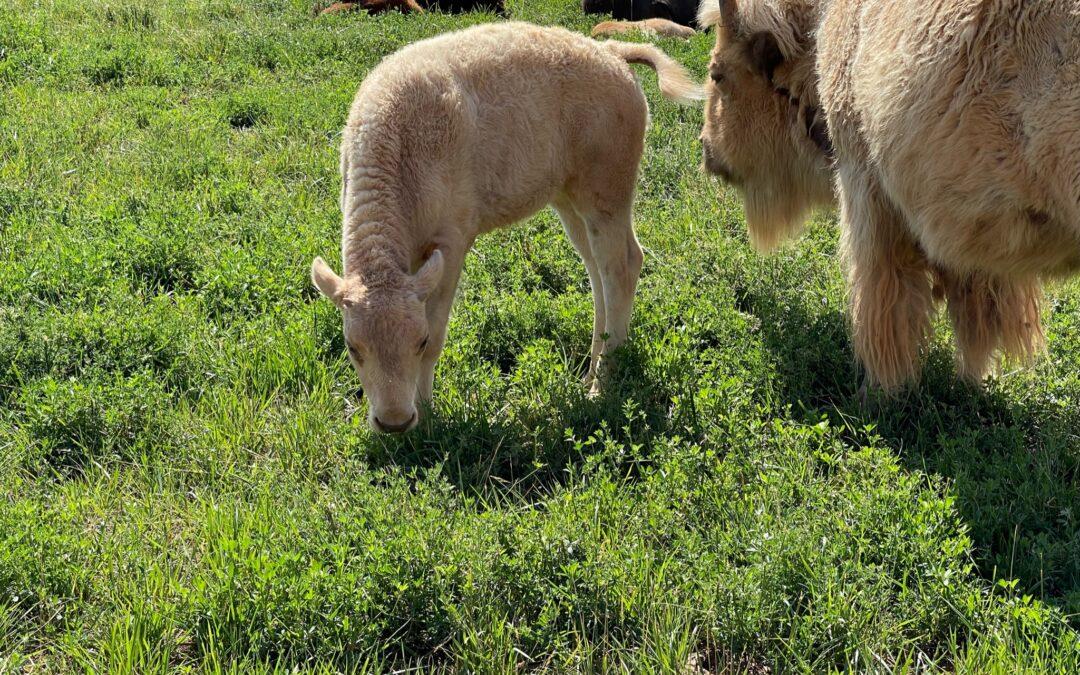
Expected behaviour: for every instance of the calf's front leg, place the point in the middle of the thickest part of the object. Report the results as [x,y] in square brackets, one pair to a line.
[438,316]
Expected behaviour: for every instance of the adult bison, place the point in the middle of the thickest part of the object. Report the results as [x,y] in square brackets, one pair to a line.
[680,11]
[950,130]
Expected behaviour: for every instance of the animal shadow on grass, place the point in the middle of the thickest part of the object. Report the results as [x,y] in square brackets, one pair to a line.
[1012,456]
[523,450]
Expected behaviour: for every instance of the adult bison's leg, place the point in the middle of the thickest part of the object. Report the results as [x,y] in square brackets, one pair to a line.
[890,286]
[991,315]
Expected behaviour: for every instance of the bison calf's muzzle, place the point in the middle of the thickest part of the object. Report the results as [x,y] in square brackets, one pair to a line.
[385,428]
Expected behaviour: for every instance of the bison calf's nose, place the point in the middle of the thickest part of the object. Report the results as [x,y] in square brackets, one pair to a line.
[395,428]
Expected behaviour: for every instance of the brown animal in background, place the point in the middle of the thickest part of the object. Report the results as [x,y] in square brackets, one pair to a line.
[660,27]
[374,6]
[679,11]
[952,130]
[465,133]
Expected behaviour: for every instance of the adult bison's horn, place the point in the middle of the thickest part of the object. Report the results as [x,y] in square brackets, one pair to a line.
[718,13]
[729,14]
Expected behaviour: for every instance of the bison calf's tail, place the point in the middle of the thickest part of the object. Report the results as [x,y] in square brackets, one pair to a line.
[675,82]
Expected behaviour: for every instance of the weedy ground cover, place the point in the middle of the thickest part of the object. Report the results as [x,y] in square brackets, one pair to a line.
[183,486]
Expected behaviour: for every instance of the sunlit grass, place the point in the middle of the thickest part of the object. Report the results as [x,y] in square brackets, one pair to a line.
[183,486]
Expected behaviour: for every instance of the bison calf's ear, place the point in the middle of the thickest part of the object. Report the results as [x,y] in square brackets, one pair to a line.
[328,283]
[764,54]
[428,276]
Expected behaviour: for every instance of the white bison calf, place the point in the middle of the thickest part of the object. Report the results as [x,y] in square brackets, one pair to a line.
[461,134]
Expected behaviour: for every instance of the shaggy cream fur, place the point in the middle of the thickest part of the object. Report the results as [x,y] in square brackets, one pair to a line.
[464,133]
[954,127]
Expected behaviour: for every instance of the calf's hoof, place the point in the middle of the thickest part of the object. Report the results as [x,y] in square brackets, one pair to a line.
[598,377]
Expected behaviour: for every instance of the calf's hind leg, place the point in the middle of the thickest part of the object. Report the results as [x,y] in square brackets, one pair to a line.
[618,257]
[603,196]
[575,228]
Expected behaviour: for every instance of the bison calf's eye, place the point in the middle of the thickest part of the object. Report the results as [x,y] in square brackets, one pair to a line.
[355,353]
[423,345]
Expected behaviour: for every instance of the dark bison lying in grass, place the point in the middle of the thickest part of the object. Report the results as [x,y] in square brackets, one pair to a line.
[373,6]
[458,6]
[679,11]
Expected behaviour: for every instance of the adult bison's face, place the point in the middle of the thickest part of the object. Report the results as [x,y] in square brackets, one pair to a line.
[387,336]
[759,136]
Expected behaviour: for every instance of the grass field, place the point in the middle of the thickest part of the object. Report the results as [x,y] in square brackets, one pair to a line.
[184,485]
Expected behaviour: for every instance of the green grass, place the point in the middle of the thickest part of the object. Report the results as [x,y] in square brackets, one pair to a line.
[184,485]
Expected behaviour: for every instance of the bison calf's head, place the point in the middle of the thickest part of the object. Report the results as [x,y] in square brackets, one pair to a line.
[762,127]
[387,336]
